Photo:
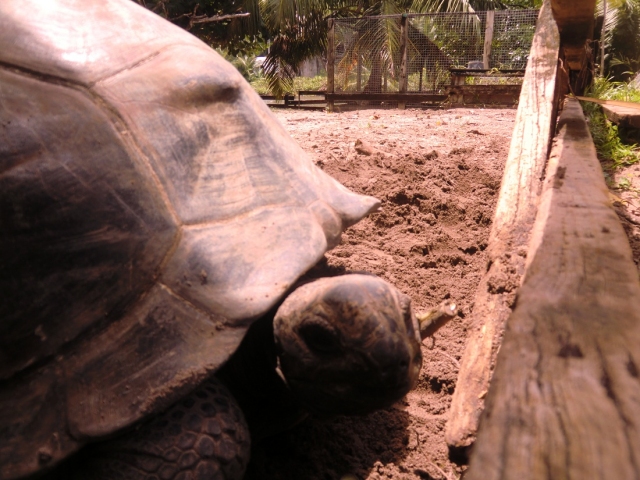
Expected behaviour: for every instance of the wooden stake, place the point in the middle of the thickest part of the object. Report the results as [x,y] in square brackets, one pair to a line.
[488,38]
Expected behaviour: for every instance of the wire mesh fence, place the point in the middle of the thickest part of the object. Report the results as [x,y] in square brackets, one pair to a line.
[369,51]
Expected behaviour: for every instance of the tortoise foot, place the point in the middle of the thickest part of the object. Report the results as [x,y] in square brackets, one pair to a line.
[202,437]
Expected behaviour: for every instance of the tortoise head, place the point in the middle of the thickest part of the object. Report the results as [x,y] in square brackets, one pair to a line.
[348,344]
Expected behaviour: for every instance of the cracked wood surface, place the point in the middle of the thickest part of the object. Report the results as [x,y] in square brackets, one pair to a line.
[509,239]
[565,398]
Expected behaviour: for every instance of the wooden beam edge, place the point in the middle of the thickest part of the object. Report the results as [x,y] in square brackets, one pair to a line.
[509,238]
[565,397]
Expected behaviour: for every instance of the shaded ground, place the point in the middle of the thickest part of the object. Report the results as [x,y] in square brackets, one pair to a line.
[438,174]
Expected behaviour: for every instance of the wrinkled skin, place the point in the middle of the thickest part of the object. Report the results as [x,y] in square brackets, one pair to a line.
[336,346]
[347,345]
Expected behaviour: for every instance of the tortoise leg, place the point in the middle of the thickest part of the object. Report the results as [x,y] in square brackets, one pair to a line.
[202,437]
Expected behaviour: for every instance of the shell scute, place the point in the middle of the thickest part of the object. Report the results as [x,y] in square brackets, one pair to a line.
[151,208]
[83,231]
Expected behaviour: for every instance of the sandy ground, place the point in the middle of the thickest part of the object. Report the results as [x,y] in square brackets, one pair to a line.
[437,173]
[624,188]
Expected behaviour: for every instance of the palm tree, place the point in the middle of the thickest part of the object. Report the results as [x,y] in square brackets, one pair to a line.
[224,23]
[298,29]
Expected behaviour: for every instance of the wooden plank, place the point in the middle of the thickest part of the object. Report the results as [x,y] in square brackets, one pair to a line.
[287,98]
[623,116]
[565,398]
[318,108]
[509,238]
[310,102]
[387,97]
[618,103]
[488,38]
[481,72]
[485,94]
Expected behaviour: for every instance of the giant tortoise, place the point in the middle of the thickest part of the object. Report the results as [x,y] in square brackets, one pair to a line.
[152,210]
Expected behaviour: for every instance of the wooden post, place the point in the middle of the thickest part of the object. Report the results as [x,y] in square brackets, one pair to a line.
[509,238]
[358,65]
[565,399]
[488,38]
[404,35]
[359,74]
[456,96]
[331,61]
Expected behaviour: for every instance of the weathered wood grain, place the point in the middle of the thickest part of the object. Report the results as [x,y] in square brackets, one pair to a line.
[507,247]
[624,114]
[488,38]
[565,398]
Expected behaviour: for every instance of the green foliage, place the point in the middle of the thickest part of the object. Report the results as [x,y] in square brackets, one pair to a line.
[426,6]
[515,38]
[234,34]
[318,82]
[261,84]
[611,149]
[242,55]
[607,89]
[522,3]
[622,37]
[245,64]
[295,41]
[249,45]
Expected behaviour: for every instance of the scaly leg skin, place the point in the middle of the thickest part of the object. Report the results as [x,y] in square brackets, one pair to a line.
[202,437]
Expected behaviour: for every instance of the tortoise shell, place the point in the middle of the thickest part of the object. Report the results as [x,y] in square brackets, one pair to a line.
[151,207]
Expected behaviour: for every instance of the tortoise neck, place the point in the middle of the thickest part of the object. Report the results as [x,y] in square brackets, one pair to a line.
[250,374]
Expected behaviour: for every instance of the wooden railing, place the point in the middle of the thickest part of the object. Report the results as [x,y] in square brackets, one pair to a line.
[555,343]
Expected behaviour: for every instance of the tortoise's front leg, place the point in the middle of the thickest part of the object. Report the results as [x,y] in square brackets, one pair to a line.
[202,437]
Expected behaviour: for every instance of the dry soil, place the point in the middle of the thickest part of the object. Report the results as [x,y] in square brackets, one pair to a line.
[437,173]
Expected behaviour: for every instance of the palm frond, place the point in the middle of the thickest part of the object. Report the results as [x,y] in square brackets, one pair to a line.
[295,42]
[621,36]
[469,6]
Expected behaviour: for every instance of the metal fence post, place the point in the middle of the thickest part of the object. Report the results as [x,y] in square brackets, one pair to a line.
[331,62]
